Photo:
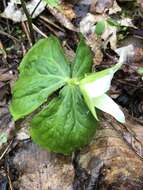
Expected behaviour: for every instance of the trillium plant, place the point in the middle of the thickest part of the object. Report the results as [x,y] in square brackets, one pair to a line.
[67,121]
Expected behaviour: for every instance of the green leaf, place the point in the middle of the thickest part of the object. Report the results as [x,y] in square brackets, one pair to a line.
[113,22]
[83,60]
[66,124]
[45,57]
[52,3]
[100,27]
[3,138]
[30,92]
[43,70]
[140,70]
[106,104]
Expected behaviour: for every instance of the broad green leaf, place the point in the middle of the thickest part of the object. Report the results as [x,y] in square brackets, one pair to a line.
[45,57]
[100,27]
[52,3]
[66,124]
[83,60]
[31,91]
[106,104]
[43,70]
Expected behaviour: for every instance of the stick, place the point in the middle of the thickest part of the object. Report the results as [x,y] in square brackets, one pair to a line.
[29,21]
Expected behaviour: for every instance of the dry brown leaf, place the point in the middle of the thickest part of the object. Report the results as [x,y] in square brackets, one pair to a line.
[68,11]
[17,15]
[40,170]
[87,28]
[112,161]
[100,6]
[62,19]
[134,50]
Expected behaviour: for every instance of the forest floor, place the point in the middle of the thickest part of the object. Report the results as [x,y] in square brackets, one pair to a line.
[114,158]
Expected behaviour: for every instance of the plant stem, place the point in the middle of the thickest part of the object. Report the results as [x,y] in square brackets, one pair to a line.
[29,21]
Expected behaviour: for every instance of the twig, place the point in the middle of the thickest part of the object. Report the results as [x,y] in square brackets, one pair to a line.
[23,24]
[7,21]
[9,36]
[39,31]
[5,151]
[50,28]
[51,22]
[29,21]
[9,179]
[36,8]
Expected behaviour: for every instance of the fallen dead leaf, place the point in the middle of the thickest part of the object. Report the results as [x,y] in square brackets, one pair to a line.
[68,11]
[62,19]
[17,15]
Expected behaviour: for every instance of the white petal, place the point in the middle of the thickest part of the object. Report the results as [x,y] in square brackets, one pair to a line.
[106,104]
[99,86]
